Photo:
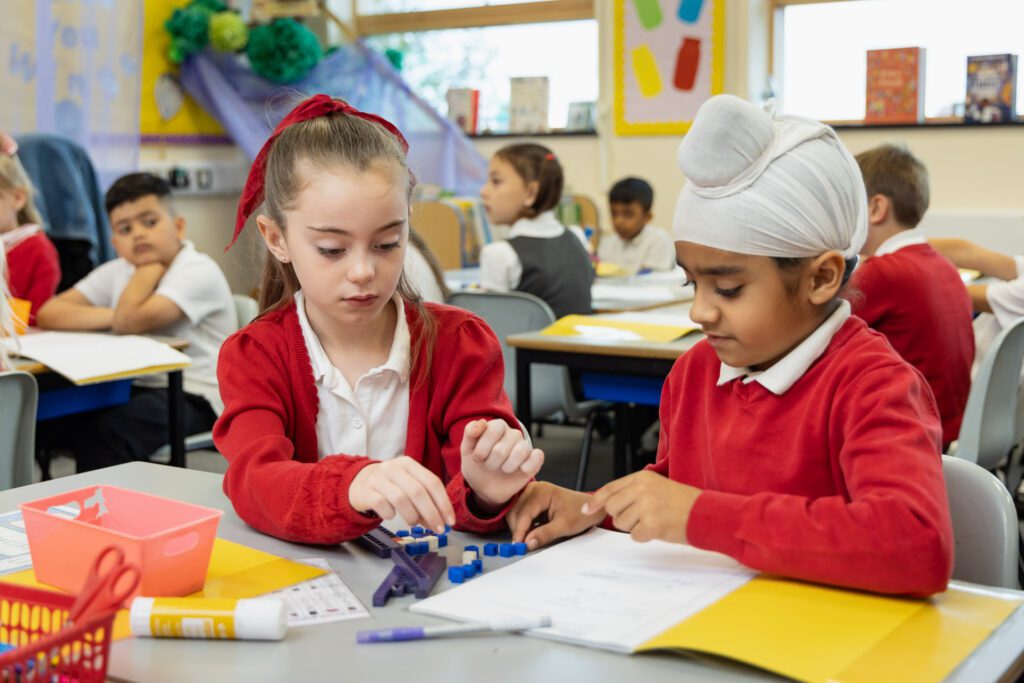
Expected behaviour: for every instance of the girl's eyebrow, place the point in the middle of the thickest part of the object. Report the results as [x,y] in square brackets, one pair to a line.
[330,228]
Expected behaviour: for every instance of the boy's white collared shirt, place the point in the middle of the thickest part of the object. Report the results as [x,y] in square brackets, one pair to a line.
[372,417]
[904,238]
[791,367]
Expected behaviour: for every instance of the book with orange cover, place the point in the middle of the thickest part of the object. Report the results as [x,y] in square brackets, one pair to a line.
[895,86]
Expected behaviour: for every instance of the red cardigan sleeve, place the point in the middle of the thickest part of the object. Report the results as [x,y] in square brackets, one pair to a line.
[39,273]
[274,487]
[471,388]
[892,535]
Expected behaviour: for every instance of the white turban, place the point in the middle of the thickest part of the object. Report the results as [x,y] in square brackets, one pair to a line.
[764,185]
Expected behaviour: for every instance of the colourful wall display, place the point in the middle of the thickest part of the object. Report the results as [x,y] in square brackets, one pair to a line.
[187,123]
[669,58]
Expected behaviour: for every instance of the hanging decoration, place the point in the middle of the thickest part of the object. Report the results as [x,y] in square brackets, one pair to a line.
[283,50]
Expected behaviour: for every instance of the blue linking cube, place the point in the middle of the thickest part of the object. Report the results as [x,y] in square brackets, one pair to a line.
[401,533]
[506,550]
[519,548]
[456,574]
[490,549]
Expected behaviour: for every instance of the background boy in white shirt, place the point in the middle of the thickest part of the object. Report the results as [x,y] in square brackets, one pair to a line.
[159,285]
[633,246]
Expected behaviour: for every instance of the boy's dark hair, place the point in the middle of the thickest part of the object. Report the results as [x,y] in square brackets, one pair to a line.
[893,171]
[536,162]
[134,186]
[629,190]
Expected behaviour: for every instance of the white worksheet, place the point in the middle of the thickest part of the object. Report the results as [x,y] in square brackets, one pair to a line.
[601,589]
[321,600]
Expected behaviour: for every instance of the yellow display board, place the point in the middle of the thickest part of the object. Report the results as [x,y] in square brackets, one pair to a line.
[669,58]
[191,123]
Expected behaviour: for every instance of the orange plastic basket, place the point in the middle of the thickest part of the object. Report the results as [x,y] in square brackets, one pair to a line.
[45,649]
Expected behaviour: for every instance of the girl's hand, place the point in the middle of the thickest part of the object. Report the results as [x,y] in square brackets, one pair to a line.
[405,487]
[647,505]
[8,145]
[561,508]
[497,461]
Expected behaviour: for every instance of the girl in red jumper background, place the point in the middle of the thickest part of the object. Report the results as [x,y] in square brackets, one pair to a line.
[793,438]
[349,401]
[33,264]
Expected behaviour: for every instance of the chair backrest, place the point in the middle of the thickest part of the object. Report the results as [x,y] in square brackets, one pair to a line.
[988,431]
[589,216]
[985,527]
[441,226]
[19,398]
[246,309]
[511,313]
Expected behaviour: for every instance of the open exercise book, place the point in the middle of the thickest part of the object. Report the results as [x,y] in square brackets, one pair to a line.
[604,590]
[89,357]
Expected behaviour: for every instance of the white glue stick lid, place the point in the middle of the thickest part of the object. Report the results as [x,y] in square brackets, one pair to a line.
[260,619]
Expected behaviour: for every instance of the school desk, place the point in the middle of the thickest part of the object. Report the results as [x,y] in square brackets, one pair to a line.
[616,371]
[329,652]
[610,295]
[58,396]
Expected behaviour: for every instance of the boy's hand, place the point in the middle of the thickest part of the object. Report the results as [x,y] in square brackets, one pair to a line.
[561,508]
[497,461]
[405,487]
[647,505]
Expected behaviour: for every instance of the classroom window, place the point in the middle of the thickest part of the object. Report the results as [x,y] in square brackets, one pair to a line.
[483,44]
[820,47]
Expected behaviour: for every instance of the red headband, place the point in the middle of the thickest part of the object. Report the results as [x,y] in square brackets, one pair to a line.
[314,107]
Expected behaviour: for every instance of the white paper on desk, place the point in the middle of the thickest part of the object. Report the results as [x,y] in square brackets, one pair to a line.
[14,552]
[601,589]
[607,291]
[83,356]
[321,600]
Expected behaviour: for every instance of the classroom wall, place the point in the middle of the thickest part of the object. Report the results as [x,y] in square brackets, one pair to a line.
[973,170]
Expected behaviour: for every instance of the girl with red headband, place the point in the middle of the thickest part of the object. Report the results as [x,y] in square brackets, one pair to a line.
[348,400]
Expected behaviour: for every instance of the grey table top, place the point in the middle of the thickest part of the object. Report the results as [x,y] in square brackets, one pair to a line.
[329,651]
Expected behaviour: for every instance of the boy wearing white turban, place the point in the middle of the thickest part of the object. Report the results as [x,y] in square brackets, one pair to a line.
[794,438]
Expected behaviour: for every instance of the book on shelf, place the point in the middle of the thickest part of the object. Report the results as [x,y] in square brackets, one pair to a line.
[895,85]
[581,116]
[463,107]
[528,105]
[991,89]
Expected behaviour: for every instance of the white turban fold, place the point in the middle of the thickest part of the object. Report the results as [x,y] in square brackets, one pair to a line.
[764,185]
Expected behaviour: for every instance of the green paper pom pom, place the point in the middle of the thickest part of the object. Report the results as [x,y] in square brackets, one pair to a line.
[212,6]
[188,28]
[174,54]
[228,32]
[395,57]
[283,51]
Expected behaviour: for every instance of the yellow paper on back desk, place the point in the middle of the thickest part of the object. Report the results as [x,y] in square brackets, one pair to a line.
[236,571]
[815,633]
[605,329]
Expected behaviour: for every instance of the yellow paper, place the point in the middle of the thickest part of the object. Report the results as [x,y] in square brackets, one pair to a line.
[21,309]
[152,369]
[236,571]
[816,633]
[614,330]
[645,70]
[608,269]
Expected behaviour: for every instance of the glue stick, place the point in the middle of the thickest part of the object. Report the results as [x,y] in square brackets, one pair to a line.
[253,619]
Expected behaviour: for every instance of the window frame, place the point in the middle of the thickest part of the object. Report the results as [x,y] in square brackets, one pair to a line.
[549,11]
[776,31]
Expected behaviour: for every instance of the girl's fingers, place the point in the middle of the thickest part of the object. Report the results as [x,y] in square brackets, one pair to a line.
[437,492]
[400,501]
[531,466]
[418,495]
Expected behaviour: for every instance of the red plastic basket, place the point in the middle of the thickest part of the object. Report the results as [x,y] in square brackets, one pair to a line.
[33,621]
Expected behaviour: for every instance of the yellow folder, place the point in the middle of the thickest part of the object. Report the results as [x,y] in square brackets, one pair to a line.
[236,571]
[815,633]
[594,327]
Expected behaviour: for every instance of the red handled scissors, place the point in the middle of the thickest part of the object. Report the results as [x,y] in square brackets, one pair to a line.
[105,590]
